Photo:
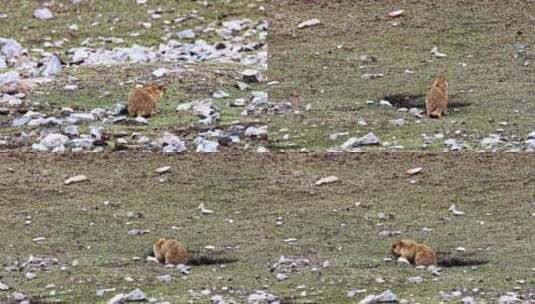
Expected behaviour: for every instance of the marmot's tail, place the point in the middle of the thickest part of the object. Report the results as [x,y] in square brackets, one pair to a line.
[456,261]
[198,260]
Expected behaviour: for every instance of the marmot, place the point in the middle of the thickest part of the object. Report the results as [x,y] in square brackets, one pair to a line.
[418,254]
[436,101]
[142,102]
[170,252]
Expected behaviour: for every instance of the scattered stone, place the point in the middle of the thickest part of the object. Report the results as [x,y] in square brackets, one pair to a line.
[52,67]
[468,300]
[171,144]
[281,277]
[436,53]
[398,122]
[452,145]
[138,232]
[207,146]
[53,141]
[309,23]
[370,299]
[18,296]
[396,13]
[140,120]
[509,299]
[135,295]
[118,109]
[9,81]
[43,14]
[163,170]
[251,76]
[370,76]
[368,140]
[30,275]
[204,210]
[76,179]
[327,180]
[254,132]
[166,278]
[186,34]
[117,299]
[217,299]
[453,209]
[490,142]
[79,118]
[415,280]
[414,171]
[242,86]
[385,103]
[259,297]
[3,287]
[160,72]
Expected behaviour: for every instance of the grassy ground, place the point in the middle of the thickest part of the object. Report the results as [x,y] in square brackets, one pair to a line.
[320,65]
[254,191]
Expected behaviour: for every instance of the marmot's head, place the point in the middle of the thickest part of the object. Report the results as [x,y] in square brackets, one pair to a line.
[159,243]
[399,245]
[156,90]
[441,82]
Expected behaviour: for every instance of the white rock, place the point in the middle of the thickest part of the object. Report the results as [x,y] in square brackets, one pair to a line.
[353,292]
[43,14]
[468,300]
[75,179]
[436,53]
[30,275]
[260,98]
[11,48]
[491,141]
[3,287]
[369,299]
[415,280]
[78,118]
[327,180]
[308,23]
[453,209]
[251,76]
[53,140]
[509,299]
[117,299]
[281,277]
[368,139]
[204,210]
[260,297]
[256,132]
[370,76]
[160,72]
[220,94]
[166,278]
[385,103]
[52,66]
[9,81]
[135,295]
[162,170]
[396,13]
[386,297]
[414,171]
[207,146]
